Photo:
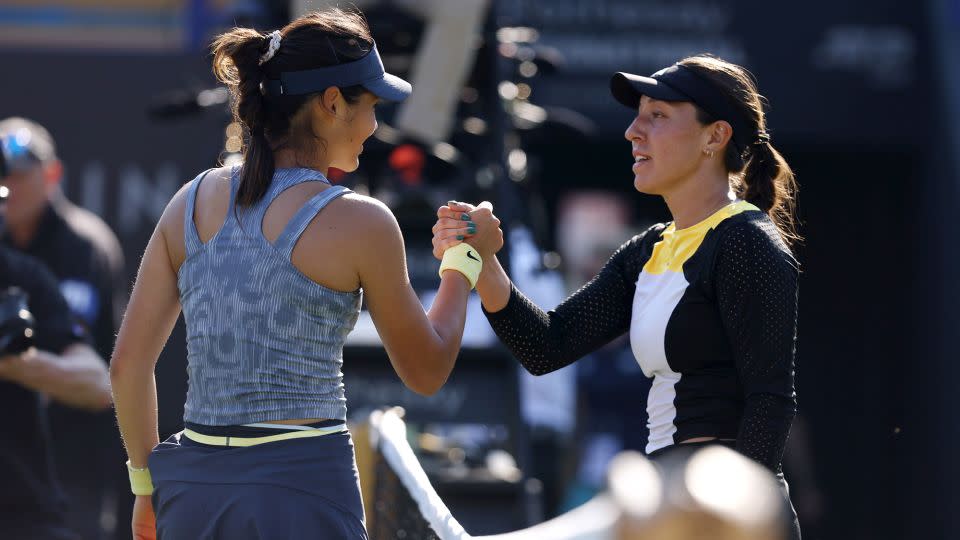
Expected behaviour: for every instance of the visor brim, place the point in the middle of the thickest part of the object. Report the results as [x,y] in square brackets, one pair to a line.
[389,88]
[627,89]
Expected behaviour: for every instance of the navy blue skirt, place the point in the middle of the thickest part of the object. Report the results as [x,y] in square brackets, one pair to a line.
[295,488]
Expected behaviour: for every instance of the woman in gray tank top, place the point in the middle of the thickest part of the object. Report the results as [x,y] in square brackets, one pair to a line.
[268,263]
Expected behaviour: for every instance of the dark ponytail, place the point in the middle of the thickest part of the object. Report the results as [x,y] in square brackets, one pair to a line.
[236,63]
[758,173]
[769,184]
[323,38]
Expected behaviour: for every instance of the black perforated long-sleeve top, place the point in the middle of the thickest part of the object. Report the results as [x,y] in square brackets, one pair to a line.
[712,315]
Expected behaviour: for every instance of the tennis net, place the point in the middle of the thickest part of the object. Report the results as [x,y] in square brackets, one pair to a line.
[406,506]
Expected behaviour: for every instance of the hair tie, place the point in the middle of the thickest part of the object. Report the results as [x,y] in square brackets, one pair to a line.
[272,49]
[762,138]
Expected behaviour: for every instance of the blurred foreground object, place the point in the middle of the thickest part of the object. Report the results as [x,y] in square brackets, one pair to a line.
[715,493]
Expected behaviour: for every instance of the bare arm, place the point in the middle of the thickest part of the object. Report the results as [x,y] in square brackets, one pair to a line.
[77,377]
[422,346]
[151,314]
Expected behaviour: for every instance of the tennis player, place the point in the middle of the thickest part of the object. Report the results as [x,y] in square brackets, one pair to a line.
[709,299]
[268,262]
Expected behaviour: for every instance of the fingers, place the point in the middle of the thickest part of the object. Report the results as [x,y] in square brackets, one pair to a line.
[484,209]
[454,209]
[460,222]
[457,234]
[460,206]
[440,245]
[447,238]
[483,216]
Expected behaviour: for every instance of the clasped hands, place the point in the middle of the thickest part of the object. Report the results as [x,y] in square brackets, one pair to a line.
[459,222]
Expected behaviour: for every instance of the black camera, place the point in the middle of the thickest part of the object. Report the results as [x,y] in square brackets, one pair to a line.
[16,322]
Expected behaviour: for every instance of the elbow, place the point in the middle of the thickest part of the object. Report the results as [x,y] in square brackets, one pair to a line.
[536,371]
[106,401]
[104,396]
[121,374]
[425,385]
[541,366]
[426,381]
[120,367]
[116,370]
[422,376]
[116,375]
[432,386]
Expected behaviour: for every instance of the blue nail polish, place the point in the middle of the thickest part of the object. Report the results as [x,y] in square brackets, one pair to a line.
[471,230]
[459,237]
[465,217]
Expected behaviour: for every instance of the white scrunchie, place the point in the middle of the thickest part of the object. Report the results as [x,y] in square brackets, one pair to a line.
[272,49]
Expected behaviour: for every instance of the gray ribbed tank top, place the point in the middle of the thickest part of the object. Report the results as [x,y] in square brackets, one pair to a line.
[264,342]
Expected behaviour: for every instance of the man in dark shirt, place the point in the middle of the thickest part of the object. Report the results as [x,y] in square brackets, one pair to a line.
[62,367]
[86,259]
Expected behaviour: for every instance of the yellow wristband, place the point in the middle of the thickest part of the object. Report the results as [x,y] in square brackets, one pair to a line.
[464,259]
[140,481]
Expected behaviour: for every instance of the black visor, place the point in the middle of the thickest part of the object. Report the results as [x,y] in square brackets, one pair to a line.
[679,83]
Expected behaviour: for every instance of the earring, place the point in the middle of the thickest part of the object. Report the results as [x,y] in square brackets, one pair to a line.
[709,153]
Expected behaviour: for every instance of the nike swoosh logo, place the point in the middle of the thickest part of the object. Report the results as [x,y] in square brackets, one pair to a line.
[470,256]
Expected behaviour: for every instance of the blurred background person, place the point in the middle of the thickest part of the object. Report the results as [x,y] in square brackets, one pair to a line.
[591,225]
[85,256]
[547,403]
[55,363]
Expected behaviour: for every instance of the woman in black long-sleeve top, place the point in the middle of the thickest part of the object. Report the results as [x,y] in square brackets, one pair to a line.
[710,299]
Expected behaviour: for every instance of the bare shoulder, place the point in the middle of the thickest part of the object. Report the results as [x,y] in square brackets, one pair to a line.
[172,220]
[360,230]
[365,215]
[172,217]
[216,180]
[373,236]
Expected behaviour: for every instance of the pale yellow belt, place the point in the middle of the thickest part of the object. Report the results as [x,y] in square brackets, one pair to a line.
[220,440]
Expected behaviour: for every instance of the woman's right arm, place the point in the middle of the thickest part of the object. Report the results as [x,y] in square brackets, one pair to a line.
[547,341]
[422,347]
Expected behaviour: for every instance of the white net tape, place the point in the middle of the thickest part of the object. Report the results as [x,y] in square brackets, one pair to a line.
[591,521]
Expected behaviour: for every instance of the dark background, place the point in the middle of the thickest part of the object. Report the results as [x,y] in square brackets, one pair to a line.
[859,108]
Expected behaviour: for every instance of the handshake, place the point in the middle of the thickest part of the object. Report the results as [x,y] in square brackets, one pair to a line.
[459,222]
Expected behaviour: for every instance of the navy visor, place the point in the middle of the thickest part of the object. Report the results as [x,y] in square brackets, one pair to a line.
[367,72]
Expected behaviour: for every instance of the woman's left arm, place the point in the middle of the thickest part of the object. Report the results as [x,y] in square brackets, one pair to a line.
[756,288]
[150,316]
